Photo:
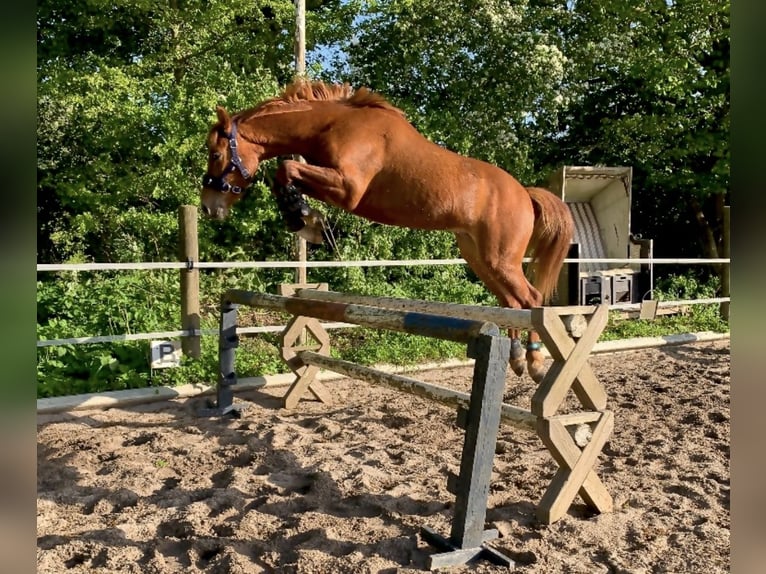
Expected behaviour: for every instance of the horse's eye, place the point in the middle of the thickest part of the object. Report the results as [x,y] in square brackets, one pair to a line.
[217,155]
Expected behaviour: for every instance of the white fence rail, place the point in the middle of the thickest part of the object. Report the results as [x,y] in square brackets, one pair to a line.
[44,267]
[52,267]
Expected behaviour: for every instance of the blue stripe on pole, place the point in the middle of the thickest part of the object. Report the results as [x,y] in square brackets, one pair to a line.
[440,323]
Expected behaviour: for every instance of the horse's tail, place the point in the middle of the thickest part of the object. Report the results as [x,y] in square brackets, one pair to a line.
[553,232]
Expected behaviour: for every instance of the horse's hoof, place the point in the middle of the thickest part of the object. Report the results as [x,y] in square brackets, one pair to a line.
[294,223]
[517,366]
[312,234]
[536,370]
[516,359]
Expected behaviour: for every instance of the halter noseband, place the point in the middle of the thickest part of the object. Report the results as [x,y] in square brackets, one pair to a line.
[217,182]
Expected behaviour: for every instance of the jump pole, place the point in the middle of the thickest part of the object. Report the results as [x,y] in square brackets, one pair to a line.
[415,323]
[503,317]
[509,414]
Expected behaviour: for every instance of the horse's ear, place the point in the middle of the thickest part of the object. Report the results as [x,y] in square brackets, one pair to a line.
[223,117]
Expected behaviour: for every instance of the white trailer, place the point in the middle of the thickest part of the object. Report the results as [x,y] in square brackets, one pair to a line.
[600,199]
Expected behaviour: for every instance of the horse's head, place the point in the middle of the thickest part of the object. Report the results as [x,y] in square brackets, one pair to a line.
[227,175]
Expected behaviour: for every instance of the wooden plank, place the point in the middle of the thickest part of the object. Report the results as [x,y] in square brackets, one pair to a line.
[298,348]
[298,328]
[228,341]
[563,310]
[503,317]
[510,414]
[424,324]
[290,289]
[299,387]
[300,325]
[452,556]
[577,418]
[320,392]
[491,354]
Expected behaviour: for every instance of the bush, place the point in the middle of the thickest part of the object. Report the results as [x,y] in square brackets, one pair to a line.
[694,318]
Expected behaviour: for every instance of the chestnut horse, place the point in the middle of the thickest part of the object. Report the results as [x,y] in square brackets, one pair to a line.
[364,157]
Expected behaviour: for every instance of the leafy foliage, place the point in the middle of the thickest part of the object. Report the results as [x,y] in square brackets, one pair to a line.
[126,93]
[480,77]
[648,87]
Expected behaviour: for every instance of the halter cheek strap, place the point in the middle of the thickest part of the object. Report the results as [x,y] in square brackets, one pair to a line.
[236,161]
[217,182]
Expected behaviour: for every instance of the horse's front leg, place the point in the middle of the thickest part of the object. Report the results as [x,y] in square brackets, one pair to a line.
[289,188]
[338,187]
[292,205]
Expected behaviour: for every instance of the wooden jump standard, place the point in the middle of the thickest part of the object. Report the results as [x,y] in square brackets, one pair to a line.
[569,333]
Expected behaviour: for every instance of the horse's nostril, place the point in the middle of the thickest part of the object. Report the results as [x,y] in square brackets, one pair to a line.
[205,210]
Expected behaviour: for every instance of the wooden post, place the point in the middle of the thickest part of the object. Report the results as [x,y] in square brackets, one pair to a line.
[300,69]
[228,341]
[481,422]
[491,354]
[726,270]
[300,36]
[189,254]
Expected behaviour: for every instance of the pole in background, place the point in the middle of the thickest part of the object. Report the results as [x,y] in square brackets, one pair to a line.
[300,37]
[300,70]
[189,254]
[726,271]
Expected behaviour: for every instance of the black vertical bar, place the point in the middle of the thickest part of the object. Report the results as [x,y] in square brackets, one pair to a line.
[573,276]
[491,354]
[228,341]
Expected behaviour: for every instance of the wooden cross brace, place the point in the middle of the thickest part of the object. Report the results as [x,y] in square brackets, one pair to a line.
[575,474]
[570,370]
[295,339]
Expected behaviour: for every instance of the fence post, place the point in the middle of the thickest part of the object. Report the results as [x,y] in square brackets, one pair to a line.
[189,254]
[726,271]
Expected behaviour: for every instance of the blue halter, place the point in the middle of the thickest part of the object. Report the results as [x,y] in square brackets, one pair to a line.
[217,182]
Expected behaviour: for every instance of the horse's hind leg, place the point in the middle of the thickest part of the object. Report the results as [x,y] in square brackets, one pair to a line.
[535,359]
[470,253]
[528,297]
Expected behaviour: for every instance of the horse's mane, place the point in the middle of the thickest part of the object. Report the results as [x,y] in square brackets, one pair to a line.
[304,90]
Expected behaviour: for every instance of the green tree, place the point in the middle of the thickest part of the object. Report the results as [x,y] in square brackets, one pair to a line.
[481,77]
[126,93]
[535,84]
[648,86]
